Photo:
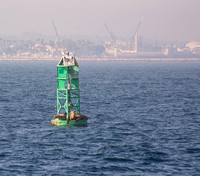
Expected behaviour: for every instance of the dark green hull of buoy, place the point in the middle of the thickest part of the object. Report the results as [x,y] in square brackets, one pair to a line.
[60,122]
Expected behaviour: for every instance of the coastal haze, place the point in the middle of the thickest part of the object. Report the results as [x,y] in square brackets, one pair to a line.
[163,20]
[138,80]
[97,29]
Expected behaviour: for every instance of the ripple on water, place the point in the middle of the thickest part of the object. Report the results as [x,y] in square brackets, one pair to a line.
[143,120]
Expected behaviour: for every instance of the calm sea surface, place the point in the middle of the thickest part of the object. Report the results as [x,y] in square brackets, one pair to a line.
[144,119]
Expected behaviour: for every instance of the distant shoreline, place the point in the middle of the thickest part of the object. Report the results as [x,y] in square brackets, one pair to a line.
[20,59]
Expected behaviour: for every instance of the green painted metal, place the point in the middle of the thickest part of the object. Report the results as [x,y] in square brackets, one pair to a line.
[68,93]
[59,122]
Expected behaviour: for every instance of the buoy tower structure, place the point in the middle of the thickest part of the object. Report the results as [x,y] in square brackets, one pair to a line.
[68,93]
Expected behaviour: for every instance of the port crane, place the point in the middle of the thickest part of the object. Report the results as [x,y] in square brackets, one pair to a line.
[57,41]
[112,36]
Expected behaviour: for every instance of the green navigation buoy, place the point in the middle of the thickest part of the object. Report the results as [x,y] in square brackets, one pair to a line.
[68,93]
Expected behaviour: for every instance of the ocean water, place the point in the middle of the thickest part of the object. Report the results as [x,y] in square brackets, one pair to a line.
[144,119]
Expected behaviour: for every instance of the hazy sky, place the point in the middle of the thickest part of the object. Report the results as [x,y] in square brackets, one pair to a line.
[163,19]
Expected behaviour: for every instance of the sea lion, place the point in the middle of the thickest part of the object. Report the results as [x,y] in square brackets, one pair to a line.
[60,116]
[72,115]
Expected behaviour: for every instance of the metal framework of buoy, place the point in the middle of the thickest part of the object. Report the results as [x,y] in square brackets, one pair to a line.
[68,93]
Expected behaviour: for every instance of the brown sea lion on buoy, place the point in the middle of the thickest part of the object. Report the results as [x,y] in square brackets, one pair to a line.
[60,116]
[81,117]
[72,115]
